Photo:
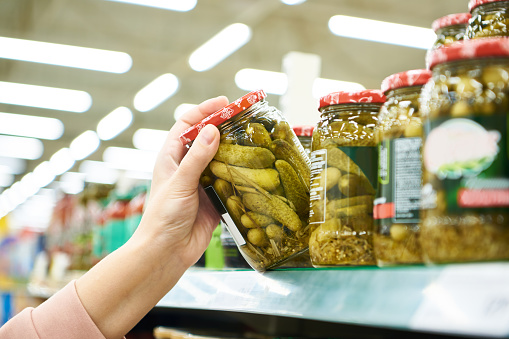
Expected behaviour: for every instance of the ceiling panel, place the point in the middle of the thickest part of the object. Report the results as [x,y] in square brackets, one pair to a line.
[160,41]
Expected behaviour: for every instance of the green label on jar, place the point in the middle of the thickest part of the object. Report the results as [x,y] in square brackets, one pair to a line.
[366,158]
[399,181]
[469,161]
[338,173]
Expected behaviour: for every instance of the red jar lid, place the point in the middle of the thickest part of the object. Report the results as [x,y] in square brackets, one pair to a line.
[451,20]
[222,115]
[475,3]
[469,49]
[415,77]
[303,131]
[369,95]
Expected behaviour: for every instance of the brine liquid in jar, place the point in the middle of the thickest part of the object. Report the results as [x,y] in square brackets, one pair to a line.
[465,195]
[343,179]
[450,28]
[490,19]
[397,204]
[258,180]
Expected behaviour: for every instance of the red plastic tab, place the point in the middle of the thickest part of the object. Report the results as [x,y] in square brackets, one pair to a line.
[416,77]
[222,115]
[469,49]
[451,20]
[366,96]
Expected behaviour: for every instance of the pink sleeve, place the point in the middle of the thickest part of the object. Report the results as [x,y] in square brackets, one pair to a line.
[61,316]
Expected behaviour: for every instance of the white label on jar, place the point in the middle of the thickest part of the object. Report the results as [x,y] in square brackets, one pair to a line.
[234,231]
[318,181]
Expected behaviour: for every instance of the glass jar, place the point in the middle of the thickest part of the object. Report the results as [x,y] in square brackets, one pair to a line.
[232,256]
[305,135]
[397,204]
[343,179]
[465,196]
[258,180]
[490,18]
[450,28]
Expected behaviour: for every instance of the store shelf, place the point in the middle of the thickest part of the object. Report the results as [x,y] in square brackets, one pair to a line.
[470,299]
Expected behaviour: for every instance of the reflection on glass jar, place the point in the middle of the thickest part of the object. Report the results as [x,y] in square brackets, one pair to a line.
[397,205]
[466,174]
[258,180]
[490,18]
[450,28]
[343,167]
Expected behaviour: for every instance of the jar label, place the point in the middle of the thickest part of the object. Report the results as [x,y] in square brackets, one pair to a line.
[399,181]
[469,159]
[225,217]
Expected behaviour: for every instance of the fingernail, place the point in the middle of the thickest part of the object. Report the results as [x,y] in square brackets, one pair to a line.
[206,135]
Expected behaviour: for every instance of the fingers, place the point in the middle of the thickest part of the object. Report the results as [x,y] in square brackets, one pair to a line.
[173,151]
[196,114]
[187,176]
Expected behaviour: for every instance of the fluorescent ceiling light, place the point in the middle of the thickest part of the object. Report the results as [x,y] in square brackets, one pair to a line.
[380,31]
[173,5]
[271,82]
[6,179]
[293,2]
[84,145]
[219,47]
[182,109]
[114,123]
[130,159]
[43,174]
[65,55]
[156,92]
[12,165]
[72,182]
[138,175]
[62,161]
[29,184]
[98,172]
[20,147]
[323,87]
[31,126]
[277,83]
[149,139]
[45,97]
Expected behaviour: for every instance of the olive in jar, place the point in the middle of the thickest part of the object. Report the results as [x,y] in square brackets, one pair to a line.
[465,195]
[490,18]
[397,204]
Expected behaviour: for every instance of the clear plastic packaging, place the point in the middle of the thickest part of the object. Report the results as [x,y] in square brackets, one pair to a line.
[465,196]
[258,180]
[343,179]
[397,204]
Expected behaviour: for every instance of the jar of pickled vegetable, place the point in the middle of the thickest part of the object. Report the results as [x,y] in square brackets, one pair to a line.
[490,18]
[343,179]
[304,134]
[258,180]
[397,204]
[450,28]
[465,195]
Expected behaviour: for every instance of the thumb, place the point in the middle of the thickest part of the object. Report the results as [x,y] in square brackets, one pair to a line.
[197,158]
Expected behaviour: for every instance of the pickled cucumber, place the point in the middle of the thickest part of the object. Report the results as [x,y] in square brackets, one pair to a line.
[273,207]
[266,178]
[245,156]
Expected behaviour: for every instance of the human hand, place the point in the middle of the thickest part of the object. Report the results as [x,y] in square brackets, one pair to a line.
[179,216]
